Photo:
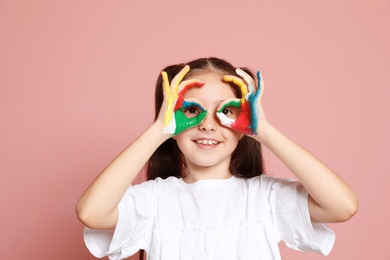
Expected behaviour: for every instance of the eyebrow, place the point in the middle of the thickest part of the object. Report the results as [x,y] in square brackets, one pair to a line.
[187,104]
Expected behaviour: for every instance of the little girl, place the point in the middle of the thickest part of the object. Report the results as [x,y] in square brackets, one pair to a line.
[206,196]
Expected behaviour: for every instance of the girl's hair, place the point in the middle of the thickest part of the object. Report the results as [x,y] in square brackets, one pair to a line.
[167,160]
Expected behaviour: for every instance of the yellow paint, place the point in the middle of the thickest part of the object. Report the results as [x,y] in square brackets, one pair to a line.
[240,83]
[172,92]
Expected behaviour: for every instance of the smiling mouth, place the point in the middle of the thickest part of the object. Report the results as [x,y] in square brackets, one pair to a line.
[206,142]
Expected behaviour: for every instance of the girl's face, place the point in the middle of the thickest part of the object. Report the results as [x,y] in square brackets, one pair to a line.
[210,144]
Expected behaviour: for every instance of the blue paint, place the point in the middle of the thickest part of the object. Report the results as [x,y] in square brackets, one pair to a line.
[187,104]
[252,98]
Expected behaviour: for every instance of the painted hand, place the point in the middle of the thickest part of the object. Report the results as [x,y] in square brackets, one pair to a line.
[180,114]
[247,118]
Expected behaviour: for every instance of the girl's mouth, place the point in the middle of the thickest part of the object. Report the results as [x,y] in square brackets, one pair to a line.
[206,142]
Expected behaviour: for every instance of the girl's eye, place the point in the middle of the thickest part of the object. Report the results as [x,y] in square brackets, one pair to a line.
[231,112]
[192,111]
[227,111]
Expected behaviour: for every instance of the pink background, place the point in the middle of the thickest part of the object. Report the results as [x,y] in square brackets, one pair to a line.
[77,80]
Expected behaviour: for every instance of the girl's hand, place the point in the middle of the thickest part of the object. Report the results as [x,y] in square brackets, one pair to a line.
[179,114]
[250,113]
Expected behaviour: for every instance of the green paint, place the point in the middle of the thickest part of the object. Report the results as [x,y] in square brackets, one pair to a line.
[183,123]
[233,103]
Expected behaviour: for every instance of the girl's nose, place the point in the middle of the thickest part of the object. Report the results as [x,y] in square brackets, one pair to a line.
[210,123]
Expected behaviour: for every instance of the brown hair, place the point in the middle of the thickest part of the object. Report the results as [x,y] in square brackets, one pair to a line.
[167,160]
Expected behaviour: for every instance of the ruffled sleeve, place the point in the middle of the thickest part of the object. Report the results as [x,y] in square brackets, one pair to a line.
[137,211]
[290,211]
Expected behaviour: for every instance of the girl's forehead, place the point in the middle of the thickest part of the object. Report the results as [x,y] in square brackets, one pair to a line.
[197,74]
[213,89]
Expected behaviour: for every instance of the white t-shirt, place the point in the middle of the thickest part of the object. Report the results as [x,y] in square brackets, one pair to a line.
[212,219]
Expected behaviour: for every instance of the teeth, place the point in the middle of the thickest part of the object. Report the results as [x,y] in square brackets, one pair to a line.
[206,142]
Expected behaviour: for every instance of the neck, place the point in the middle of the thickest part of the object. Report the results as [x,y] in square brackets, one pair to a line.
[196,173]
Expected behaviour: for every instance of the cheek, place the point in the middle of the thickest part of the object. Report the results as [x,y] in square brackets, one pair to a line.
[182,139]
[177,138]
[181,145]
[239,135]
[233,135]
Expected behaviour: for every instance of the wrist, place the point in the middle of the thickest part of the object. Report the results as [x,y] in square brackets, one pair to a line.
[157,130]
[263,132]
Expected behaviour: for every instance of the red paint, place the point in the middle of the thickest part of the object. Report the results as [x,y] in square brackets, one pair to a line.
[180,98]
[243,121]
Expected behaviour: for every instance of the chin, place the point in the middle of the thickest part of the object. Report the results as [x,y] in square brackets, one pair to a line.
[207,162]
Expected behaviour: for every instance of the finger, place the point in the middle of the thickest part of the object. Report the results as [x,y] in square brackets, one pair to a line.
[247,78]
[167,94]
[239,82]
[187,84]
[171,91]
[169,110]
[178,78]
[165,80]
[183,87]
[260,83]
[229,102]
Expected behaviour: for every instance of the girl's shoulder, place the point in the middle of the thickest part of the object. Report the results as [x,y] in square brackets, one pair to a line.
[268,181]
[156,185]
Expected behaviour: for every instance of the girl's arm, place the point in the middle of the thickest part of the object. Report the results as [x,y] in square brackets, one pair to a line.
[97,207]
[330,198]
